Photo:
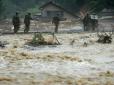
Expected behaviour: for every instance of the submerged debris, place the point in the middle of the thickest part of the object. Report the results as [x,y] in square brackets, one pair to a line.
[85,44]
[104,38]
[38,39]
[107,74]
[72,42]
[2,44]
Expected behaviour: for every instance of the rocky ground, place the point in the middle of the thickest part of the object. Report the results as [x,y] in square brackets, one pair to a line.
[66,64]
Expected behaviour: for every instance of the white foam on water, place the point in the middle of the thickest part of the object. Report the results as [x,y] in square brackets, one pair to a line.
[63,68]
[3,62]
[50,49]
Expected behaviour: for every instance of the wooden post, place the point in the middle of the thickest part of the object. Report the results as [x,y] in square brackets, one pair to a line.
[54,37]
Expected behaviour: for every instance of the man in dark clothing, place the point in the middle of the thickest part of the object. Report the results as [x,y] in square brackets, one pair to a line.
[27,22]
[94,23]
[86,22]
[56,21]
[16,22]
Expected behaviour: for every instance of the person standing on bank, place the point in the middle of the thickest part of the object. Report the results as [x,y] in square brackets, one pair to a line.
[86,22]
[27,20]
[56,21]
[16,22]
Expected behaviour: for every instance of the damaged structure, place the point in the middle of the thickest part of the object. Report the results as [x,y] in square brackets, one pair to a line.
[106,14]
[51,9]
[106,19]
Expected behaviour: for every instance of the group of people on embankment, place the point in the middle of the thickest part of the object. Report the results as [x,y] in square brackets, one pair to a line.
[27,21]
[16,22]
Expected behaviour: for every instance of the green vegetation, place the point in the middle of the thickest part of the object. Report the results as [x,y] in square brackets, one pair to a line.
[1,7]
[92,5]
[37,39]
[11,6]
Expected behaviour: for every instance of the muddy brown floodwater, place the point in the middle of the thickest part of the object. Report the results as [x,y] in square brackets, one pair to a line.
[57,65]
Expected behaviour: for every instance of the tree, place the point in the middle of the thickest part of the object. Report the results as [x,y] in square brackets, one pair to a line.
[1,7]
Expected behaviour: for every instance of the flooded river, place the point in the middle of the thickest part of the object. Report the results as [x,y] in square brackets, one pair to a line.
[64,64]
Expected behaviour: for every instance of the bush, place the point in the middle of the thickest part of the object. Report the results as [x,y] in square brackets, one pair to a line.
[37,39]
